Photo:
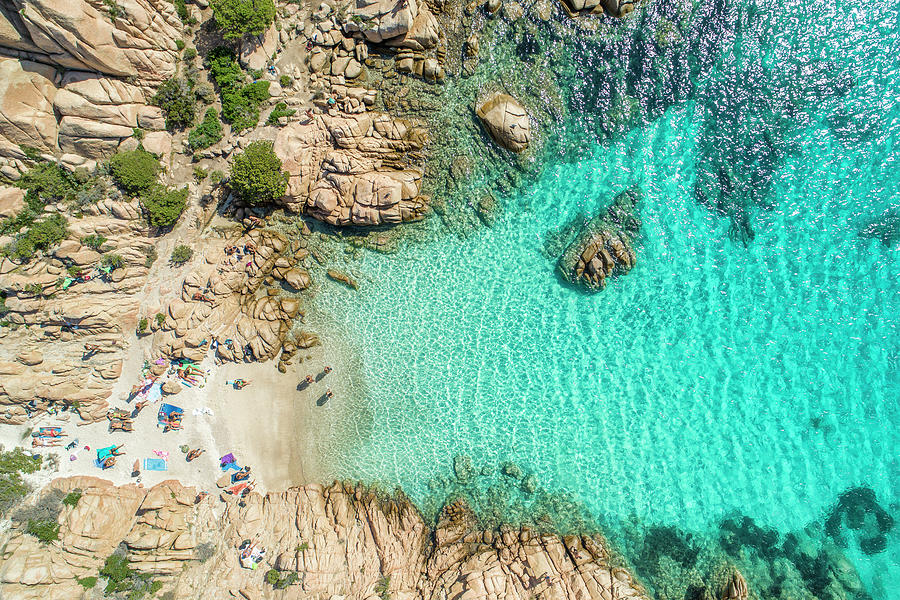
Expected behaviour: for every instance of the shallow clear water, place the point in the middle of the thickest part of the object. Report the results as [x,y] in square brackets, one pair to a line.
[713,378]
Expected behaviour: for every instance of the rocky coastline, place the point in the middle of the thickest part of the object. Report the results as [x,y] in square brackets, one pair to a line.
[372,147]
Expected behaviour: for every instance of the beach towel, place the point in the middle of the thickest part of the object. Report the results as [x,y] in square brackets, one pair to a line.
[104,452]
[164,454]
[228,458]
[155,464]
[224,481]
[154,394]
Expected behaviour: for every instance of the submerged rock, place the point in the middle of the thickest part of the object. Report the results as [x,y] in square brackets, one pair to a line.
[462,467]
[603,247]
[506,120]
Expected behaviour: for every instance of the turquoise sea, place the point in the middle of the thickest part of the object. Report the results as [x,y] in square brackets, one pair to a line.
[717,380]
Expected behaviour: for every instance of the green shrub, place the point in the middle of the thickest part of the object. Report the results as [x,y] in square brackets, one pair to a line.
[207,133]
[113,261]
[120,577]
[176,99]
[72,498]
[87,582]
[280,580]
[240,102]
[256,74]
[181,9]
[142,325]
[47,183]
[93,241]
[381,588]
[190,54]
[160,319]
[179,44]
[216,177]
[236,18]
[12,487]
[285,80]
[205,92]
[256,174]
[134,171]
[181,254]
[162,206]
[137,133]
[200,173]
[41,235]
[280,110]
[31,153]
[45,531]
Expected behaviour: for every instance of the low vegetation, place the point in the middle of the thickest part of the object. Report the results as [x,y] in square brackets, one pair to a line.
[40,235]
[177,100]
[280,580]
[112,261]
[72,498]
[237,18]
[163,206]
[121,578]
[280,110]
[93,241]
[240,100]
[134,170]
[256,174]
[181,254]
[42,519]
[14,464]
[207,133]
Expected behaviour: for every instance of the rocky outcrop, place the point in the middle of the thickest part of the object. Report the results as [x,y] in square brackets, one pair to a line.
[615,8]
[604,245]
[736,589]
[341,540]
[506,120]
[220,306]
[404,23]
[136,40]
[354,169]
[80,74]
[63,322]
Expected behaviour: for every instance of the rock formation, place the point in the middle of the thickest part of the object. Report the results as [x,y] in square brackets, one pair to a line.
[603,247]
[79,77]
[616,8]
[340,540]
[59,322]
[220,306]
[354,169]
[506,120]
[736,589]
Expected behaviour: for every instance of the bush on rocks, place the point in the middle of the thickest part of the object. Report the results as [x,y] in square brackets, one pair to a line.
[134,170]
[12,487]
[93,241]
[256,174]
[207,133]
[237,18]
[163,206]
[280,110]
[41,235]
[176,99]
[240,101]
[181,254]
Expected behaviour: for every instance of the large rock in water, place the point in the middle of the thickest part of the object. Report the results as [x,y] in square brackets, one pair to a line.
[603,247]
[506,120]
[616,8]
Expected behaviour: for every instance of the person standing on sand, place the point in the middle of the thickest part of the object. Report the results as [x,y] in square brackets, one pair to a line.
[329,394]
[326,370]
[309,380]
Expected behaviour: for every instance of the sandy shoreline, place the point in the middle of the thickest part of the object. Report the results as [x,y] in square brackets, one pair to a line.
[288,433]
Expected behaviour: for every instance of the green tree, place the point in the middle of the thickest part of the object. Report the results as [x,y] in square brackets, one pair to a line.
[237,18]
[134,171]
[256,174]
[162,206]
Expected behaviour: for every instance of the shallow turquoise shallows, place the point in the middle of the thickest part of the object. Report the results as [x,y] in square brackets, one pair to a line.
[713,378]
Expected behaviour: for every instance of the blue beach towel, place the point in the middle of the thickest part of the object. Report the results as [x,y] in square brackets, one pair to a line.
[155,464]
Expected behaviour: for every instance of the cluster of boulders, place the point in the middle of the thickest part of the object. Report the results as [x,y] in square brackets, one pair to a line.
[604,246]
[615,8]
[230,304]
[342,540]
[44,364]
[354,169]
[78,79]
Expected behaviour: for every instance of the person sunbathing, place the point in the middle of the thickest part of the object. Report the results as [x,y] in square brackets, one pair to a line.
[39,442]
[242,474]
[240,384]
[193,454]
[116,452]
[109,461]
